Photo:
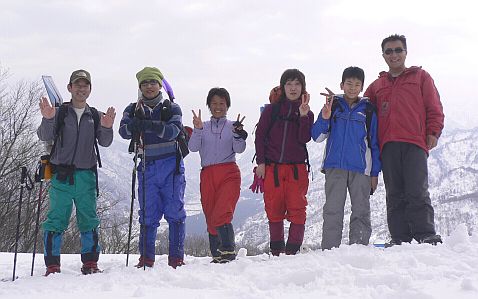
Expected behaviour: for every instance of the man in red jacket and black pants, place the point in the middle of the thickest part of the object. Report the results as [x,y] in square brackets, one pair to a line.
[410,121]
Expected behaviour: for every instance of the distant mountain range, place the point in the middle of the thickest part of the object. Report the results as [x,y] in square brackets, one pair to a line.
[453,180]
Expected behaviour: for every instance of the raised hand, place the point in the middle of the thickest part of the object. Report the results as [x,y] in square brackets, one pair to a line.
[304,107]
[238,126]
[197,122]
[108,118]
[329,99]
[46,109]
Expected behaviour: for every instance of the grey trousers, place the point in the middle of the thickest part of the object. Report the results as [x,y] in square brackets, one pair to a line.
[337,181]
[410,214]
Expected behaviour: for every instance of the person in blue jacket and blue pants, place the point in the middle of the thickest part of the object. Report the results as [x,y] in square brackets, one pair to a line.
[351,159]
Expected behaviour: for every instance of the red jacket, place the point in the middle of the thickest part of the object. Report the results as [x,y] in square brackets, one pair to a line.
[408,107]
[284,140]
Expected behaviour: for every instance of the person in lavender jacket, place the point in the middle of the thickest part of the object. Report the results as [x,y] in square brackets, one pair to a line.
[218,141]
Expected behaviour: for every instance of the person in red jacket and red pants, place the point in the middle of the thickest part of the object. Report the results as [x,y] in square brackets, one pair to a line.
[281,135]
[410,121]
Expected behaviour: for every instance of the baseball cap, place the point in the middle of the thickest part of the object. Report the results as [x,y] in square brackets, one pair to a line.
[80,74]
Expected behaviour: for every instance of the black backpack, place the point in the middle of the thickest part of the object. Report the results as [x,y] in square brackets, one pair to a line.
[369,110]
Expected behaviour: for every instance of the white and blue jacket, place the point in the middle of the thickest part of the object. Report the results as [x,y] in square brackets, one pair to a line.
[346,133]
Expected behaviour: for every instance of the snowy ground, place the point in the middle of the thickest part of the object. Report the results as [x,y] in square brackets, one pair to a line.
[409,271]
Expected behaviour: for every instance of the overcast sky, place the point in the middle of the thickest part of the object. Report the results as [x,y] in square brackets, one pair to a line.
[243,46]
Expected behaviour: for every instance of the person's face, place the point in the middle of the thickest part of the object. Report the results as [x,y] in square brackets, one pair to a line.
[218,106]
[395,61]
[293,89]
[80,90]
[150,88]
[352,88]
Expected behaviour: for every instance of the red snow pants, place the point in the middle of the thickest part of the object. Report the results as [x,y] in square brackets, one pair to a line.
[288,199]
[220,188]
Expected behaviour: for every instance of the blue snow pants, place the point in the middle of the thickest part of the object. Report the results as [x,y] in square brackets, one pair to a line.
[163,196]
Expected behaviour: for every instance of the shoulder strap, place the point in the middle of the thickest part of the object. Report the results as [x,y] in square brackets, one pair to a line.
[60,123]
[335,105]
[96,120]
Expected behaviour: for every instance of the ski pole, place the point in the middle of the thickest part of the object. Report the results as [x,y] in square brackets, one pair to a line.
[23,184]
[144,207]
[43,172]
[133,197]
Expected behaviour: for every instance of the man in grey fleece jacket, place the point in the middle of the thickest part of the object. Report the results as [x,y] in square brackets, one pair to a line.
[74,161]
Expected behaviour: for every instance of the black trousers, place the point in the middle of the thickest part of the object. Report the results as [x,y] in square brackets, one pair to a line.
[410,214]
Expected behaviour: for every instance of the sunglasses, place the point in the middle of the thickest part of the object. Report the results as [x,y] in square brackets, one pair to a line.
[389,51]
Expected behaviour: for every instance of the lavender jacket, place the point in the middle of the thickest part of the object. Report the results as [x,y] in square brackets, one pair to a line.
[216,142]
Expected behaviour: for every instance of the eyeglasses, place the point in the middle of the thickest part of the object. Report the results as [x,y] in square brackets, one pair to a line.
[389,51]
[145,83]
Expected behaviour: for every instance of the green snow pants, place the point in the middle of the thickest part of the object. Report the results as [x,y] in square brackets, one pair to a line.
[62,196]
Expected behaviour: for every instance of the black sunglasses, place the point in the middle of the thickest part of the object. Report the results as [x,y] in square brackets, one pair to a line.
[389,51]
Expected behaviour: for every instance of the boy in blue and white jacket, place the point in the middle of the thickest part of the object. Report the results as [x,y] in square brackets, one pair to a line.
[350,162]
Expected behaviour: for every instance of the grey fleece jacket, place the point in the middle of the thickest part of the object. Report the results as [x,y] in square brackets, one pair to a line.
[77,146]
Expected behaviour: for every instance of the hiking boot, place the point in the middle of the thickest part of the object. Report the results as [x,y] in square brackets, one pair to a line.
[216,260]
[393,242]
[52,269]
[433,239]
[227,256]
[144,262]
[175,262]
[90,268]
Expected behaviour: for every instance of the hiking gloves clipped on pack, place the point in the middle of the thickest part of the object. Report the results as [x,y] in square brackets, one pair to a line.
[258,183]
[239,130]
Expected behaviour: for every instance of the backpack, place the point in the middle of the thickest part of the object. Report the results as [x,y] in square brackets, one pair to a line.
[183,137]
[369,111]
[274,100]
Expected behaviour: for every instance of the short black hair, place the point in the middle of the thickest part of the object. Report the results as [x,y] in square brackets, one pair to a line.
[393,38]
[220,92]
[292,74]
[353,72]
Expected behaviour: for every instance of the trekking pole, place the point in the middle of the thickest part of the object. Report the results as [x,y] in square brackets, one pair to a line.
[133,195]
[23,183]
[144,206]
[43,172]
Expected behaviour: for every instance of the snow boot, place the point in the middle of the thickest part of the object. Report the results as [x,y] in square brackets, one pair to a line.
[144,262]
[433,239]
[277,244]
[393,242]
[90,267]
[175,262]
[227,247]
[52,269]
[214,244]
[295,239]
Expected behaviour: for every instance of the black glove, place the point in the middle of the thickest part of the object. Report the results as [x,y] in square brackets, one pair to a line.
[239,130]
[138,125]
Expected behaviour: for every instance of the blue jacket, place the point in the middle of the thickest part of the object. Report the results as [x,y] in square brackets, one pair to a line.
[347,147]
[160,141]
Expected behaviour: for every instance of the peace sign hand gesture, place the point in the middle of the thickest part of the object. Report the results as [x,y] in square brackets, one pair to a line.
[329,99]
[238,127]
[197,122]
[304,108]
